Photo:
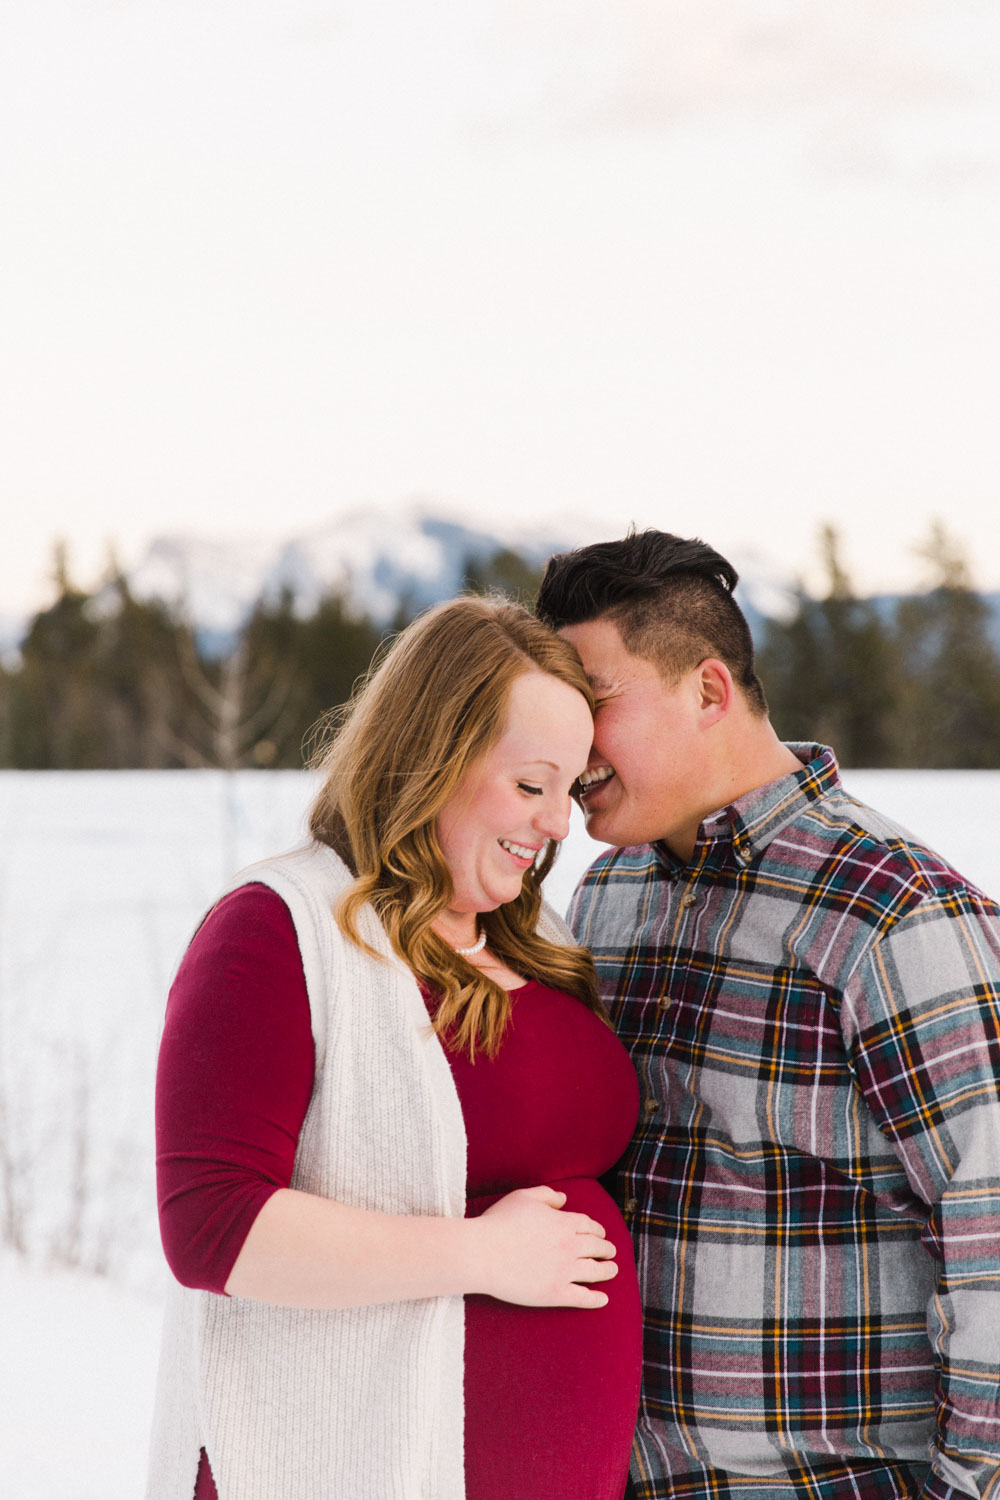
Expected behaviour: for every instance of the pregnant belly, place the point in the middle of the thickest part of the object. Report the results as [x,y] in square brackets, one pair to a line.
[551,1392]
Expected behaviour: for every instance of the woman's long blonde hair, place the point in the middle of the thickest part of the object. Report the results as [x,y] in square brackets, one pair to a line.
[434,703]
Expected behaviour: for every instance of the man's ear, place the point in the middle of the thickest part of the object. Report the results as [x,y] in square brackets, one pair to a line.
[715,689]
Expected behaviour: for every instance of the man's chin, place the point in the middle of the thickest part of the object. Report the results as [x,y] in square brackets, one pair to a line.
[600,827]
[605,827]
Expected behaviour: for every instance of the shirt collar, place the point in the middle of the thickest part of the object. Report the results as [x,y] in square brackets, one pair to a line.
[753,820]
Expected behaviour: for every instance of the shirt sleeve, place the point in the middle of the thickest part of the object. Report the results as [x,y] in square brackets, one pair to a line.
[922,1018]
[234,1079]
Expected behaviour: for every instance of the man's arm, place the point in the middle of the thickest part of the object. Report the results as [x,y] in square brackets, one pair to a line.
[921,1017]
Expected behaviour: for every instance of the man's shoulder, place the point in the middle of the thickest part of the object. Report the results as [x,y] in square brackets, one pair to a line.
[844,837]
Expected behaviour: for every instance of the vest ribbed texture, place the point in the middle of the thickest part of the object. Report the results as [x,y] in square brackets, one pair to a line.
[364,1403]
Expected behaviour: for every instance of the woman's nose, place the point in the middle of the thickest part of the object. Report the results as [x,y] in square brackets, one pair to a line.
[553,820]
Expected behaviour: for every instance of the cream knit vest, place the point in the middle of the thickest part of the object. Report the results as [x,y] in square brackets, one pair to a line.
[362,1404]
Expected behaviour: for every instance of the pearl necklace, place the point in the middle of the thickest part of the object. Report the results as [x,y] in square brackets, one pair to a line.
[477,946]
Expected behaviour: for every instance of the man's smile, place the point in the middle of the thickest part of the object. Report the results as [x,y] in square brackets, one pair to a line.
[593,777]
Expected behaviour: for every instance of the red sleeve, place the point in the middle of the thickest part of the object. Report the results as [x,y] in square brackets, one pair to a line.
[234,1079]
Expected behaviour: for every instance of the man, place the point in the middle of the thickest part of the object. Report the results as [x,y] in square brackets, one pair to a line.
[812,1002]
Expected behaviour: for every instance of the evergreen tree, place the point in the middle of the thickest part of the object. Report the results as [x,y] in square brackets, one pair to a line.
[949,713]
[338,648]
[6,693]
[100,683]
[137,678]
[506,572]
[303,668]
[54,718]
[830,670]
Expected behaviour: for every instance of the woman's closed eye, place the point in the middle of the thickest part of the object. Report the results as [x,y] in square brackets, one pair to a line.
[534,791]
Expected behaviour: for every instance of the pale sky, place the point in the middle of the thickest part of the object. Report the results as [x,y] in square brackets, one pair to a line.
[729,267]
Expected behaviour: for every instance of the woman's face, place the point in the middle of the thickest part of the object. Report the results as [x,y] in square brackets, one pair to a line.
[515,798]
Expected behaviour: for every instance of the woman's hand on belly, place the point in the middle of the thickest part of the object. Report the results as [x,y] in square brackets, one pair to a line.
[534,1254]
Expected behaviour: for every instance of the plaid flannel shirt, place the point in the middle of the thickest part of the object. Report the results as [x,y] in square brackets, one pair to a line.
[812,1004]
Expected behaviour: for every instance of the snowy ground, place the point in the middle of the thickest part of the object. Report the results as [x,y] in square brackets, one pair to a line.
[79,1361]
[102,878]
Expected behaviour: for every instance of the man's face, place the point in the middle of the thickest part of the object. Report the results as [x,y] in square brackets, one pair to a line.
[648,782]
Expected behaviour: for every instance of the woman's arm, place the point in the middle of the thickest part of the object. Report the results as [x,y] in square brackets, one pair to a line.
[234,1080]
[306,1251]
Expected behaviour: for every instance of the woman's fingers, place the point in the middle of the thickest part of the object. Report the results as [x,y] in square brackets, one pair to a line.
[552,1196]
[595,1244]
[595,1270]
[583,1224]
[583,1296]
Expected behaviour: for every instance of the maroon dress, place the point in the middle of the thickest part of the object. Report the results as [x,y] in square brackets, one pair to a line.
[550,1393]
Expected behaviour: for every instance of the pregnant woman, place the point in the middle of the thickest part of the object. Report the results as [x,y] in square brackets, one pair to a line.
[385,1094]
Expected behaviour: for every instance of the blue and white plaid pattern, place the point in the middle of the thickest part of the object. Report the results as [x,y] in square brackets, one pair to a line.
[813,1008]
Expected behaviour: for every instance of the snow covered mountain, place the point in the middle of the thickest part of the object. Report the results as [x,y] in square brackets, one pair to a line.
[375,557]
[372,557]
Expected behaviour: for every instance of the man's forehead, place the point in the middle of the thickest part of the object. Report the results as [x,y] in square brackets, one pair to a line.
[607,661]
[598,641]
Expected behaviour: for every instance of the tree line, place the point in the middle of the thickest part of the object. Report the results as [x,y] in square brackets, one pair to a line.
[105,680]
[911,683]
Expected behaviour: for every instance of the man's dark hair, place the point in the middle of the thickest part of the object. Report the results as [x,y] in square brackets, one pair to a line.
[671,599]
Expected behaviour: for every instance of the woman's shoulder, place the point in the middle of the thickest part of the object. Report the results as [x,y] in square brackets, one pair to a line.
[552,926]
[309,867]
[252,920]
[265,903]
[247,906]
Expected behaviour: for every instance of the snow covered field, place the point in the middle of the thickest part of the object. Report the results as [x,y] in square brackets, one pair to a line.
[103,876]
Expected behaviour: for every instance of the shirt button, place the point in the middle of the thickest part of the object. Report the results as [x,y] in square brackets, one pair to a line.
[689,899]
[631,1204]
[651,1106]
